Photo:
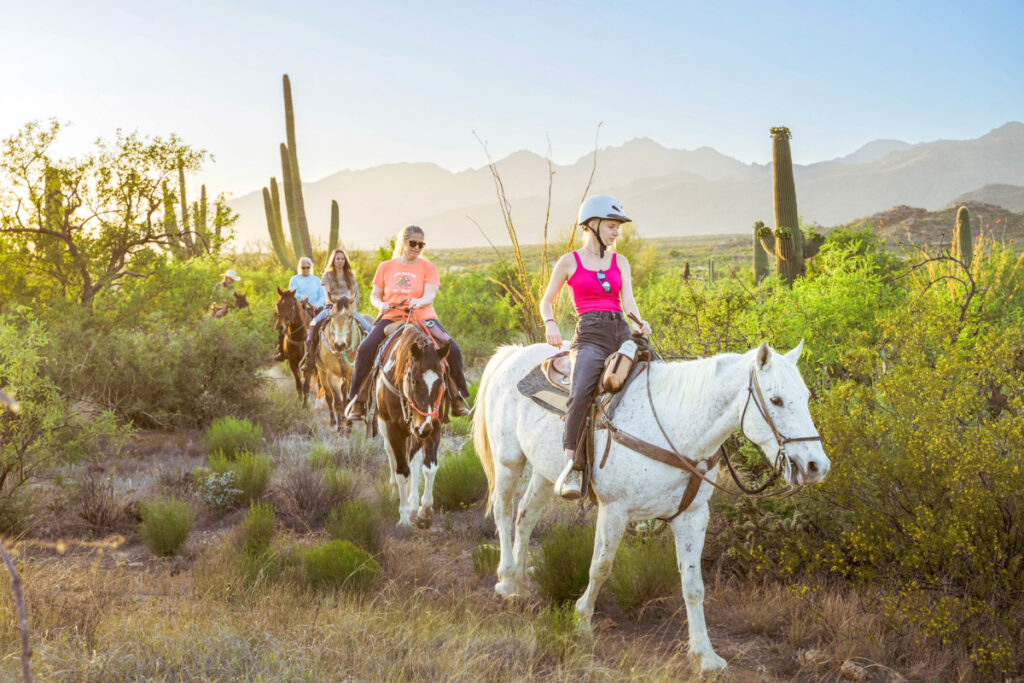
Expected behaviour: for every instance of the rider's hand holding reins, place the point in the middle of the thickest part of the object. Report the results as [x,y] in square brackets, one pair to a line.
[642,326]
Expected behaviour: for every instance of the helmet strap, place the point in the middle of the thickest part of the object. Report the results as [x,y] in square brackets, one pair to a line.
[597,234]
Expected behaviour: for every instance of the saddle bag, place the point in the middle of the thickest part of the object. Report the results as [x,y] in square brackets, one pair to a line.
[618,366]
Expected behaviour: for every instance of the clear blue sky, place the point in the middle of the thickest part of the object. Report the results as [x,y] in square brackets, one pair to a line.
[384,81]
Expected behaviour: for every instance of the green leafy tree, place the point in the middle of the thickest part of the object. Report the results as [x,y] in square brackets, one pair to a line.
[84,223]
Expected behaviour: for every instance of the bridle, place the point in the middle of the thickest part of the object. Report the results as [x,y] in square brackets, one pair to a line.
[352,343]
[404,396]
[298,319]
[776,468]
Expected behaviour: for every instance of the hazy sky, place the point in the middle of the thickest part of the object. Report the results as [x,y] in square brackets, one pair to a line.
[383,81]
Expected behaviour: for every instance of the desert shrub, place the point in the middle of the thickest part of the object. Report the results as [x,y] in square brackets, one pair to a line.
[304,499]
[162,375]
[485,558]
[460,480]
[320,455]
[95,502]
[478,308]
[338,483]
[251,473]
[357,521]
[165,525]
[230,436]
[562,561]
[644,570]
[46,431]
[216,489]
[257,529]
[387,499]
[556,632]
[340,564]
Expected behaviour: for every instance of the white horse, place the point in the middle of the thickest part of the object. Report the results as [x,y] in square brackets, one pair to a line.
[698,403]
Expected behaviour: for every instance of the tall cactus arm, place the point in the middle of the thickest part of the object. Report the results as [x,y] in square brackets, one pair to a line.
[289,201]
[332,242]
[767,239]
[276,235]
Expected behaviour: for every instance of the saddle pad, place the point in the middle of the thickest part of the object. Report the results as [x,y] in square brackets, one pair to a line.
[536,386]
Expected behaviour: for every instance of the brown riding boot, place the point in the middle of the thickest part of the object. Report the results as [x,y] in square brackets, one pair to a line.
[355,411]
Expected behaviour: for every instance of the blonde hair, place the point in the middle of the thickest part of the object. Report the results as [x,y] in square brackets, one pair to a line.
[403,237]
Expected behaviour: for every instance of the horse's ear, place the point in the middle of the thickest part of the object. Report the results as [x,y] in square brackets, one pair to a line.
[416,351]
[443,350]
[764,354]
[279,292]
[794,355]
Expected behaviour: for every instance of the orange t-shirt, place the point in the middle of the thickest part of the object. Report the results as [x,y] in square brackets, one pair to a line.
[402,283]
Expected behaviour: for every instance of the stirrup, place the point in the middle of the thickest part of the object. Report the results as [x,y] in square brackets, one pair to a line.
[354,410]
[569,484]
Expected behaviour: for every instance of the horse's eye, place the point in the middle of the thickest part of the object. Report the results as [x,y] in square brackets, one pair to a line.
[777,400]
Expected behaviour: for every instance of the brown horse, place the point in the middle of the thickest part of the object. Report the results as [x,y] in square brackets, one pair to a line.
[339,339]
[290,317]
[411,398]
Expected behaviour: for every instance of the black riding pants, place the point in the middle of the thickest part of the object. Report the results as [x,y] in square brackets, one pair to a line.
[368,350]
[598,335]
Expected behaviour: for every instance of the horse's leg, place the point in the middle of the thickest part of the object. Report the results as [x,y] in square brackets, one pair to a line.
[329,397]
[412,501]
[611,523]
[426,511]
[689,529]
[395,438]
[538,493]
[506,477]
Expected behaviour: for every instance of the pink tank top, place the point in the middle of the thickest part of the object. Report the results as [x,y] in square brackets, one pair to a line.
[587,293]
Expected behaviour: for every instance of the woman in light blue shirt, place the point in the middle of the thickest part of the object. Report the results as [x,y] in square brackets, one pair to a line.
[307,285]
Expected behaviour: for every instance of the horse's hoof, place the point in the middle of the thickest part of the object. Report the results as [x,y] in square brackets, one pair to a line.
[506,590]
[424,516]
[710,661]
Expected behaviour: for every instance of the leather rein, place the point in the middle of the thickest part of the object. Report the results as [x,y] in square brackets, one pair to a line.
[403,396]
[672,457]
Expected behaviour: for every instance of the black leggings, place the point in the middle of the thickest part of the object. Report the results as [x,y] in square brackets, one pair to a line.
[598,335]
[368,349]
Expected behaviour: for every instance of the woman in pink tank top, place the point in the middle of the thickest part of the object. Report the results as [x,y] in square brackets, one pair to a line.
[602,292]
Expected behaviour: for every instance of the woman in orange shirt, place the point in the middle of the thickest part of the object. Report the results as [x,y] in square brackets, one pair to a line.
[411,282]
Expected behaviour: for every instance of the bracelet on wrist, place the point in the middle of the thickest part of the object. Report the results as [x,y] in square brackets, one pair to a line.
[550,320]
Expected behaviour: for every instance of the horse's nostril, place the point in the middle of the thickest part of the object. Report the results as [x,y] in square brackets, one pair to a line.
[812,466]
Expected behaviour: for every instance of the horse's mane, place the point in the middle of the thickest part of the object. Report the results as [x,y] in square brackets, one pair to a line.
[683,383]
[411,336]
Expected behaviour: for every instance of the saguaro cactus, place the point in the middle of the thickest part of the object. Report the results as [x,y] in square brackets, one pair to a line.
[787,242]
[296,178]
[963,244]
[274,227]
[332,241]
[760,256]
[186,234]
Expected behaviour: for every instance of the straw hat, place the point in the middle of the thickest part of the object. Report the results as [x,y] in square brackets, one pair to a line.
[231,274]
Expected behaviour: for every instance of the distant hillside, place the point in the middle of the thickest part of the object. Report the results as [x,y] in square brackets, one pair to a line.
[1007,196]
[668,192]
[906,225]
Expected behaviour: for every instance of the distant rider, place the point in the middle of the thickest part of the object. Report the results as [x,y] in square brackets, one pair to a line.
[224,294]
[307,290]
[338,281]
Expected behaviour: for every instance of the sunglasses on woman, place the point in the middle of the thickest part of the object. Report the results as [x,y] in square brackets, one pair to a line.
[603,279]
[417,245]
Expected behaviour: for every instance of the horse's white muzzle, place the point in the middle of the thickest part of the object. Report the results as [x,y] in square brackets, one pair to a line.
[807,465]
[424,429]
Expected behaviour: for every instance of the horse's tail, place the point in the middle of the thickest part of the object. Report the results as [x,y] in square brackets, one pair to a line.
[480,438]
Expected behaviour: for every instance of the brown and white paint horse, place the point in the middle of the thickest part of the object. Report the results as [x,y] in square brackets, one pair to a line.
[410,400]
[290,318]
[339,339]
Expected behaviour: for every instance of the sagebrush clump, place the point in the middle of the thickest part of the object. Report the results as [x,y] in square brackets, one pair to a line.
[166,525]
[230,436]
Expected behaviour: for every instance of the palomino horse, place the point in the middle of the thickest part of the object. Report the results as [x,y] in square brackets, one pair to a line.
[685,408]
[339,339]
[410,396]
[290,318]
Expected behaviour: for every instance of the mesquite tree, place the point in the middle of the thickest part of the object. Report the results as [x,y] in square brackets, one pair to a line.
[86,222]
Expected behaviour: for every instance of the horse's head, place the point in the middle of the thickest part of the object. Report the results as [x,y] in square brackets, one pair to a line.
[342,321]
[776,416]
[287,310]
[421,374]
[240,301]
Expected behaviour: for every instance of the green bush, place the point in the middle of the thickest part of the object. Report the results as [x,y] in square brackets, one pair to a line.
[165,525]
[485,558]
[460,426]
[230,436]
[562,561]
[556,632]
[338,483]
[460,480]
[645,569]
[251,472]
[340,564]
[257,529]
[359,522]
[320,455]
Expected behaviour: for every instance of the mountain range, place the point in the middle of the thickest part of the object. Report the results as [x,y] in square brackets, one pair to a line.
[667,192]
